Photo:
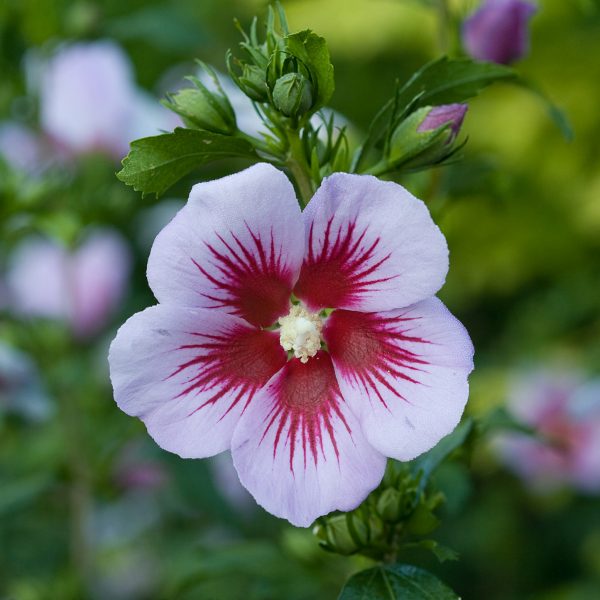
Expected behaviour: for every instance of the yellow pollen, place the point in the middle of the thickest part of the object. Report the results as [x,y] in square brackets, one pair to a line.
[301,332]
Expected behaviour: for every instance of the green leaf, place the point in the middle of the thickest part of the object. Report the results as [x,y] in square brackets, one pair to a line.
[428,462]
[155,163]
[444,81]
[396,582]
[312,51]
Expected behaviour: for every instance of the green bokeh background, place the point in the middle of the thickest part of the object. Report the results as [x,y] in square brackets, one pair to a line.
[521,212]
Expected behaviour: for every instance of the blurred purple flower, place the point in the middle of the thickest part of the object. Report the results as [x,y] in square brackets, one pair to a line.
[498,31]
[453,114]
[565,411]
[134,471]
[82,287]
[21,148]
[89,101]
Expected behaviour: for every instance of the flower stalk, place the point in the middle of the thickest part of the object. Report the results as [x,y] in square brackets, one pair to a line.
[299,168]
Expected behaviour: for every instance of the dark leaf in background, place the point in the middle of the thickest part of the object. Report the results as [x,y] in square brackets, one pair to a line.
[164,27]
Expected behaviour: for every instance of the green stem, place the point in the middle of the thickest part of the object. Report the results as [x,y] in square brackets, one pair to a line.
[444,26]
[79,493]
[297,164]
[65,387]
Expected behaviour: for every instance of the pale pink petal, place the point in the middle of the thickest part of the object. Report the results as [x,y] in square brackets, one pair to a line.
[100,271]
[403,372]
[298,448]
[371,246]
[190,373]
[236,246]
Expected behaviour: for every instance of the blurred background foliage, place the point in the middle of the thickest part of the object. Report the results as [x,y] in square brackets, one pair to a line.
[521,212]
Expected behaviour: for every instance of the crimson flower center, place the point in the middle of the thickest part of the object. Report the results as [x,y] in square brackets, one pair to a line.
[300,332]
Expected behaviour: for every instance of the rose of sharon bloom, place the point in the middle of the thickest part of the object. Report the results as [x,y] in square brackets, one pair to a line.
[498,31]
[83,287]
[307,343]
[89,101]
[565,411]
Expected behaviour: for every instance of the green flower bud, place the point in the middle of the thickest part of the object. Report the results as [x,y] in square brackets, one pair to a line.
[422,521]
[425,137]
[376,527]
[389,505]
[202,109]
[344,534]
[292,95]
[253,83]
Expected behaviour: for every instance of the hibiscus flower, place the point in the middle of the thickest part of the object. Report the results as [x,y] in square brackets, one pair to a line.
[308,343]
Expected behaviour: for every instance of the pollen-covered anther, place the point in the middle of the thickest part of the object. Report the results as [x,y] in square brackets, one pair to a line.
[301,332]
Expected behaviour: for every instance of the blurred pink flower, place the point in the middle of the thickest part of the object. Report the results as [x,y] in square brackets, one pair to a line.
[498,31]
[89,101]
[82,287]
[136,471]
[565,411]
[21,148]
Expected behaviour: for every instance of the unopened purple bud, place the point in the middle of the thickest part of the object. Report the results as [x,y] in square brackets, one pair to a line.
[498,31]
[452,114]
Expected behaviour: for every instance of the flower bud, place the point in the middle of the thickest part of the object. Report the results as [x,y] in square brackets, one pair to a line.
[389,505]
[253,83]
[292,95]
[447,114]
[201,108]
[498,31]
[422,521]
[425,137]
[344,534]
